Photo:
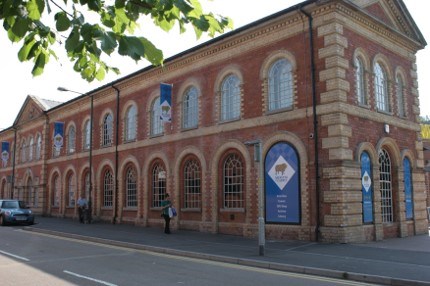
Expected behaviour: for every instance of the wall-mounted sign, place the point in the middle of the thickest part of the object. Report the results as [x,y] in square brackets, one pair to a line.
[282,184]
[366,188]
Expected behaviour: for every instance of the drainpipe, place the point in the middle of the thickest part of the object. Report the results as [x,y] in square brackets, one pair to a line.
[315,121]
[115,207]
[13,163]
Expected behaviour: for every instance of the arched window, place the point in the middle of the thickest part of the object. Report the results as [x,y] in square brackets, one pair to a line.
[157,127]
[71,142]
[381,89]
[130,188]
[192,184]
[360,81]
[233,182]
[230,98]
[71,189]
[190,108]
[400,96]
[158,185]
[407,179]
[108,185]
[385,183]
[87,134]
[23,152]
[38,146]
[56,194]
[107,131]
[131,123]
[87,185]
[280,85]
[30,149]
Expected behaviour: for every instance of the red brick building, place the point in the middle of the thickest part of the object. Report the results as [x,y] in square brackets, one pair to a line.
[329,90]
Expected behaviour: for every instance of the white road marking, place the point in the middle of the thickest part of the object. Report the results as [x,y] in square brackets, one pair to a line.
[14,256]
[89,278]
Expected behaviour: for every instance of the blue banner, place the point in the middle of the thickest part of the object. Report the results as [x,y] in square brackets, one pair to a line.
[282,185]
[58,135]
[408,188]
[4,152]
[366,187]
[166,102]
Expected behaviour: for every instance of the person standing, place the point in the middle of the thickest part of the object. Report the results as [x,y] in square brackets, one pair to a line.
[165,205]
[82,205]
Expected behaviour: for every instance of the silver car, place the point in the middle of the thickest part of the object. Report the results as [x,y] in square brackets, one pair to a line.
[15,212]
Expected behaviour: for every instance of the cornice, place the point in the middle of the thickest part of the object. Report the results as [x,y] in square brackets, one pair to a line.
[379,27]
[215,52]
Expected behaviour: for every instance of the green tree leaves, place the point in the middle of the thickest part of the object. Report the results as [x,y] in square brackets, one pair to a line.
[85,42]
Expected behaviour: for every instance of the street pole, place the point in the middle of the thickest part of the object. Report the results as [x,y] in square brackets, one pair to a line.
[90,159]
[261,223]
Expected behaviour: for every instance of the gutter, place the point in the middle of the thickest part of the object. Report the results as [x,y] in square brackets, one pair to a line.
[315,122]
[115,206]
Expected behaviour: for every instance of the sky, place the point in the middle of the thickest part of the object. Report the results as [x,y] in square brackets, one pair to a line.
[17,82]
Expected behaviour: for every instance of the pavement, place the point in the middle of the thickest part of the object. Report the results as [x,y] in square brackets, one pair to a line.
[398,261]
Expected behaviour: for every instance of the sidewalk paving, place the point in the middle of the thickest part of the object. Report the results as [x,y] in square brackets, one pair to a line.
[399,261]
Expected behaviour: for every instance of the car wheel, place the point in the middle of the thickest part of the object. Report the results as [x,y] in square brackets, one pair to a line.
[2,221]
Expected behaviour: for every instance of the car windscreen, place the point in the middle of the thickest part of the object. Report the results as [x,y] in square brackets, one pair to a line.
[10,205]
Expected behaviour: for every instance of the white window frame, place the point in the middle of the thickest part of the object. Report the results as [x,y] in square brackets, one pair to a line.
[230,98]
[233,182]
[192,184]
[131,188]
[131,123]
[107,130]
[281,91]
[360,81]
[400,94]
[157,126]
[386,183]
[108,185]
[190,106]
[71,140]
[381,89]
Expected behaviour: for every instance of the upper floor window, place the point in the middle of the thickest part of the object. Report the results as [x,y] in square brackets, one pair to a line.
[400,96]
[131,123]
[23,152]
[30,149]
[157,127]
[360,87]
[280,85]
[87,134]
[107,130]
[38,146]
[381,89]
[190,108]
[230,98]
[71,142]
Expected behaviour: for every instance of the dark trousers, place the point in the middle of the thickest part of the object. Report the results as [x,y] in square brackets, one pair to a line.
[81,211]
[166,223]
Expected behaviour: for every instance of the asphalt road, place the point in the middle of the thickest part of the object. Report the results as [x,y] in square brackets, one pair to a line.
[36,259]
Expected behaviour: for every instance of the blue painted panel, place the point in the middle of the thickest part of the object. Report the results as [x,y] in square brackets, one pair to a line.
[282,185]
[408,188]
[367,187]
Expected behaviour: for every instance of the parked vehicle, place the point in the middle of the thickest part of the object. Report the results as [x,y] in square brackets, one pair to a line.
[15,212]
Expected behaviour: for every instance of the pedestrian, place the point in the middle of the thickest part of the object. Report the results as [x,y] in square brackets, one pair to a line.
[166,204]
[82,206]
